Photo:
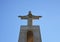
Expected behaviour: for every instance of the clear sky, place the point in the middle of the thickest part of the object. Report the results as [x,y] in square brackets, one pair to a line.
[10,23]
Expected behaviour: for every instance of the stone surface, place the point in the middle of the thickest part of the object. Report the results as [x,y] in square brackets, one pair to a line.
[30,17]
[34,35]
[34,29]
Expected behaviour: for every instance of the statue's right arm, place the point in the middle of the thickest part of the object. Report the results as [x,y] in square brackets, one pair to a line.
[23,17]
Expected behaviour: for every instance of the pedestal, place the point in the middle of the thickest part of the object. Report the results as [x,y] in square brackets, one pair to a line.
[35,30]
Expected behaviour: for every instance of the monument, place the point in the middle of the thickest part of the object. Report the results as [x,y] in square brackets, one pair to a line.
[29,33]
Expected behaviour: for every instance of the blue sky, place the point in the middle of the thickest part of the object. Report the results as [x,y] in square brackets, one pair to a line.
[10,23]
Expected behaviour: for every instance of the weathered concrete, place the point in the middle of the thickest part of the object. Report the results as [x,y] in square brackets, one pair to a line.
[34,29]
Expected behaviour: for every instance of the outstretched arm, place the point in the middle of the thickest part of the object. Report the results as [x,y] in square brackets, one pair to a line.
[23,17]
[36,17]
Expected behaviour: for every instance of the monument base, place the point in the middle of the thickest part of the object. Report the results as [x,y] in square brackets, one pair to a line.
[36,33]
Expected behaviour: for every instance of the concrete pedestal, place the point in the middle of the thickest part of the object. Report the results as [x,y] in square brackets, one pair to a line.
[34,29]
